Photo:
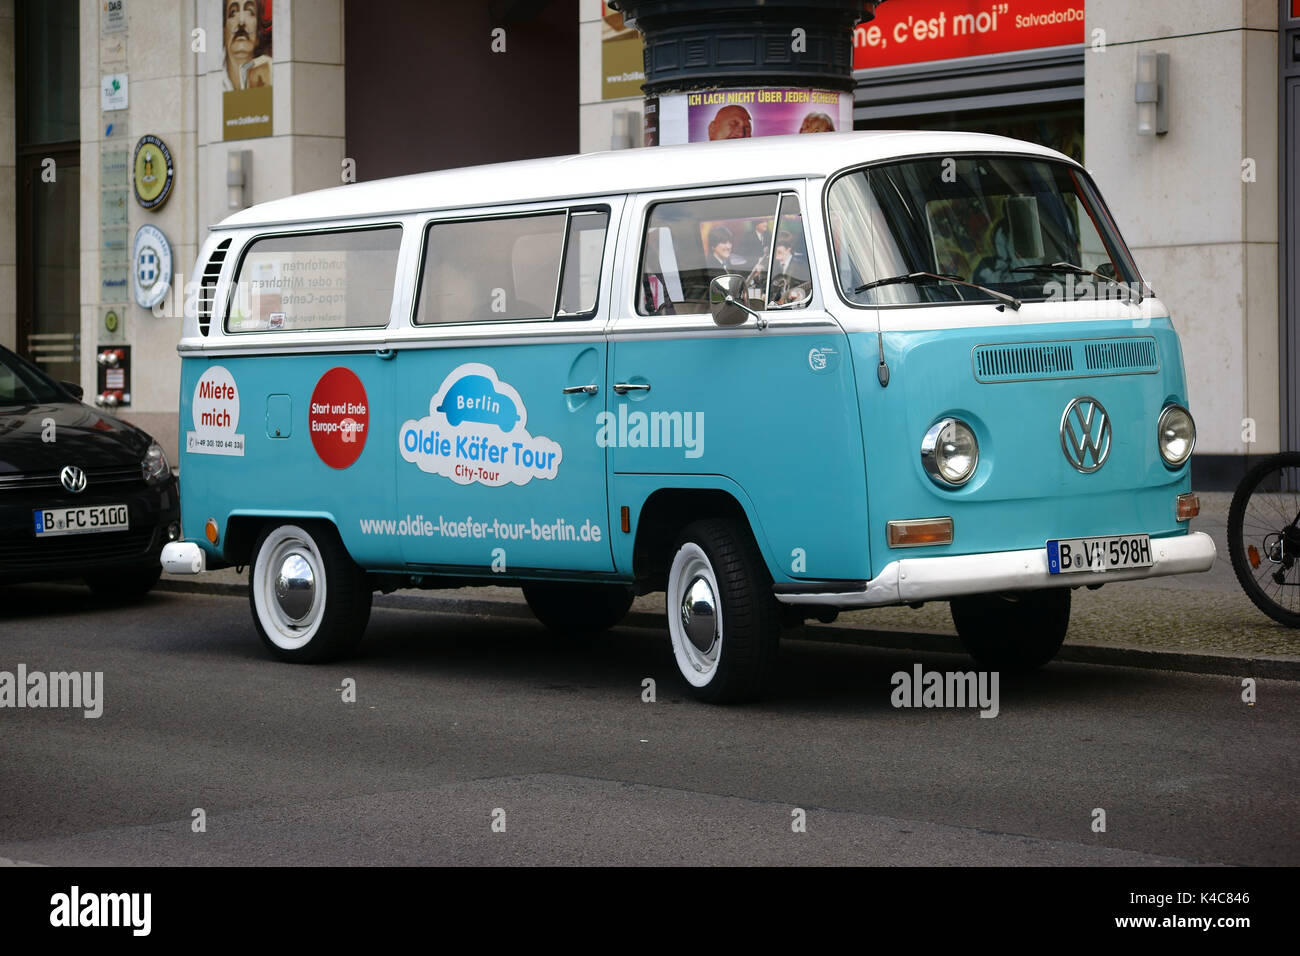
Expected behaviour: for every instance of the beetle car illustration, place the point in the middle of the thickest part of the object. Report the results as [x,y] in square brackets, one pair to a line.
[473,399]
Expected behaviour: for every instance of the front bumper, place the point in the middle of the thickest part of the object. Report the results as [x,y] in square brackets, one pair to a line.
[24,557]
[909,580]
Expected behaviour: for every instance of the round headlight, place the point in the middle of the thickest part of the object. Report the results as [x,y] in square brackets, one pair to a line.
[154,465]
[1175,435]
[949,452]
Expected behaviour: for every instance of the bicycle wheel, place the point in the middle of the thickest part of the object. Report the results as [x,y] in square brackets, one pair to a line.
[1264,539]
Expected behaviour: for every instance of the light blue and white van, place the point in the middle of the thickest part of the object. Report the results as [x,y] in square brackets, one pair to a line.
[773,378]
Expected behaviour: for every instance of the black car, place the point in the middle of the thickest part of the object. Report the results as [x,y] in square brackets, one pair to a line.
[82,494]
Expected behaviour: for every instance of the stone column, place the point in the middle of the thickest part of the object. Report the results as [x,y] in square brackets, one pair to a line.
[1199,204]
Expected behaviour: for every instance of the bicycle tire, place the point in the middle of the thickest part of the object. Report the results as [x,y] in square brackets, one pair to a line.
[1252,527]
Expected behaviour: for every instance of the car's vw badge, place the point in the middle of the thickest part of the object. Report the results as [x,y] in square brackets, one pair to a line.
[73,478]
[1085,434]
[152,266]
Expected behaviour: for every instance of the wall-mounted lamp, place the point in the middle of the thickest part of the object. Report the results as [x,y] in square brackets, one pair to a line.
[627,130]
[239,178]
[1152,94]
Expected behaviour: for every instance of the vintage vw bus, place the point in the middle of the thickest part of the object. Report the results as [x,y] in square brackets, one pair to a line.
[772,378]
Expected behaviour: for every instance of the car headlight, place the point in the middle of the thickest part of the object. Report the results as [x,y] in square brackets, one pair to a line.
[154,465]
[949,452]
[1175,435]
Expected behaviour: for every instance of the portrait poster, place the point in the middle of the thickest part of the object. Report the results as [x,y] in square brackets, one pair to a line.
[246,60]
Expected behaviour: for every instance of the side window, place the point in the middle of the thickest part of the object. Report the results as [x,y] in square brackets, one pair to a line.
[507,269]
[584,253]
[689,243]
[324,280]
[490,270]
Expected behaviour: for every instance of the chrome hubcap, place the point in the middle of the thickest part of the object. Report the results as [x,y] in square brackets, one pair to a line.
[700,614]
[295,587]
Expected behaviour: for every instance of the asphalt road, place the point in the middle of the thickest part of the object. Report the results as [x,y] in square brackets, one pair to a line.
[461,720]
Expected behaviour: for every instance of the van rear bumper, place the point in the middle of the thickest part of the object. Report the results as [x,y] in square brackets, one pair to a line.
[931,579]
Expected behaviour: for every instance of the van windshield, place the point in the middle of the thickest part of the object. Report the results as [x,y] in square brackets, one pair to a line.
[1032,229]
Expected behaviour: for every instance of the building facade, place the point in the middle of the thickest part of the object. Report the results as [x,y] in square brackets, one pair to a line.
[250,100]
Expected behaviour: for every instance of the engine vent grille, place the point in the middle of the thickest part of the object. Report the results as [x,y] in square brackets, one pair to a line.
[1025,361]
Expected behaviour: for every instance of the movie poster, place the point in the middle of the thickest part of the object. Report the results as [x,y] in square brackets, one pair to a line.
[744,113]
[245,68]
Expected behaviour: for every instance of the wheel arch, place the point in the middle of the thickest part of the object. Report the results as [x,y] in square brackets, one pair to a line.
[661,519]
[243,529]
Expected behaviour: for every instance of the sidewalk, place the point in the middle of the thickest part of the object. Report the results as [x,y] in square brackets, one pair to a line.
[1201,623]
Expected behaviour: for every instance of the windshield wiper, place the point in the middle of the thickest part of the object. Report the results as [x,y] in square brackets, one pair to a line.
[1080,271]
[919,277]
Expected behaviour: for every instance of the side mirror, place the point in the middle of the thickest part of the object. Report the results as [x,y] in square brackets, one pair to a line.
[77,391]
[727,303]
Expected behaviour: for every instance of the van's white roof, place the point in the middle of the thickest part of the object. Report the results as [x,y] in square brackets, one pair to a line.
[621,171]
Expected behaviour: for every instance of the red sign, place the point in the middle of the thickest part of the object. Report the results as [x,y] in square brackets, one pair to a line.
[919,30]
[1295,9]
[339,418]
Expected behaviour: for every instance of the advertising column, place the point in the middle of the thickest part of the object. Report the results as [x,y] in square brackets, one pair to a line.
[732,69]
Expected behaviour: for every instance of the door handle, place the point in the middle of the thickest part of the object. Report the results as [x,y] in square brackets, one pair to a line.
[580,390]
[622,388]
[386,355]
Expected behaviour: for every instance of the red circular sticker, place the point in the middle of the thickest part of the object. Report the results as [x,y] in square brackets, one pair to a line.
[339,418]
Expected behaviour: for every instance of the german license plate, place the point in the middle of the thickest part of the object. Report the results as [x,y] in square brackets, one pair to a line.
[87,520]
[1112,553]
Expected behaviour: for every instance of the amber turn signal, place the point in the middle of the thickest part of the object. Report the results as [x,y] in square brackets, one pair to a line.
[210,529]
[1189,506]
[918,532]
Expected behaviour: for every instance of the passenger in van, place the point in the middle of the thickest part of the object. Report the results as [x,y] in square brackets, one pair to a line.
[791,280]
[721,261]
[757,242]
[655,298]
[452,296]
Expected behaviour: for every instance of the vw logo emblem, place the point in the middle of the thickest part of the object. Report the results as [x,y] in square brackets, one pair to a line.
[1085,434]
[73,478]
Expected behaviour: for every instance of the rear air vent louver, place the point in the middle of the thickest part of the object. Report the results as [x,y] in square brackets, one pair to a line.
[208,286]
[1024,361]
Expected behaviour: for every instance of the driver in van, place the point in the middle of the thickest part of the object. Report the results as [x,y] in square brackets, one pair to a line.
[791,279]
